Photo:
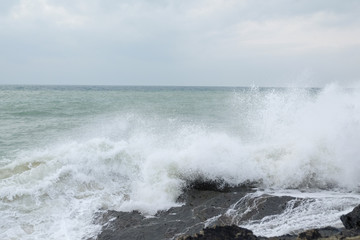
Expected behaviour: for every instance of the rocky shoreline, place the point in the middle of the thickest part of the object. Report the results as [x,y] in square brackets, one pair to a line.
[351,231]
[205,216]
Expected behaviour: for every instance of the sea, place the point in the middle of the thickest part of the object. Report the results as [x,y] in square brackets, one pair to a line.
[70,152]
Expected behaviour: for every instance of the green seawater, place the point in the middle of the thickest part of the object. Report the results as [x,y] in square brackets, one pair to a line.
[32,116]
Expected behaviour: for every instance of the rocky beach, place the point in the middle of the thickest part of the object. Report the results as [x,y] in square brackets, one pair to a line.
[207,213]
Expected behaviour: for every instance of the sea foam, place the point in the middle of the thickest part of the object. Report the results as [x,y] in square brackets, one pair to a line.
[278,138]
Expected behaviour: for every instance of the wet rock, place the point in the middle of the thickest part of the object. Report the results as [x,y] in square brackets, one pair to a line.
[201,209]
[205,215]
[232,232]
[164,225]
[283,237]
[352,219]
[309,235]
[328,231]
[211,185]
[349,233]
[260,207]
[322,233]
[218,185]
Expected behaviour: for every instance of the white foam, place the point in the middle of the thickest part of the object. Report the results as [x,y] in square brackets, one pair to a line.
[309,210]
[57,197]
[283,139]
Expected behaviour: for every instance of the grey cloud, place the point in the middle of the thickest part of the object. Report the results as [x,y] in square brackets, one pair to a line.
[6,5]
[179,42]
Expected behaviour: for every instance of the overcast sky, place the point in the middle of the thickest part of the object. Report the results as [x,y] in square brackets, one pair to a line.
[180,42]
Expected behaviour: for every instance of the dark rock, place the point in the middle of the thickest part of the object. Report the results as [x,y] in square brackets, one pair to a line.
[284,237]
[218,185]
[267,205]
[164,225]
[211,185]
[256,209]
[349,233]
[325,232]
[201,207]
[204,215]
[232,232]
[309,234]
[352,219]
[328,231]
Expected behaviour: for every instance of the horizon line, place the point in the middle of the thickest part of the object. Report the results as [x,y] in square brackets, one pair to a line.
[165,86]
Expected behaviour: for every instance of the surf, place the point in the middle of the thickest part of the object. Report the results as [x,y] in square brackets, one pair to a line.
[131,159]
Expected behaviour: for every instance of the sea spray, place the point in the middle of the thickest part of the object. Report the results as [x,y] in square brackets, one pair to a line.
[137,153]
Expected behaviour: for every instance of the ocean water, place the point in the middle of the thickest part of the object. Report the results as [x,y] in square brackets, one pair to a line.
[68,152]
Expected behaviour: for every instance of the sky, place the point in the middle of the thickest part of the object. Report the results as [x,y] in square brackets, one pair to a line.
[308,43]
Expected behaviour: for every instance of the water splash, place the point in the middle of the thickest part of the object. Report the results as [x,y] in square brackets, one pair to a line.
[279,138]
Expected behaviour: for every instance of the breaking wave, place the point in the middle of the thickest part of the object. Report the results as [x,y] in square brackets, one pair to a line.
[280,139]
